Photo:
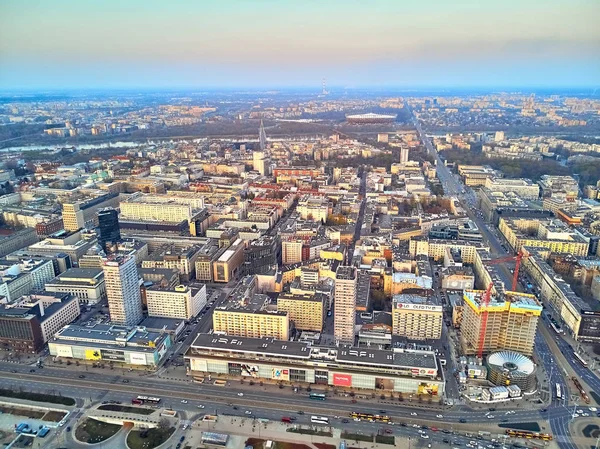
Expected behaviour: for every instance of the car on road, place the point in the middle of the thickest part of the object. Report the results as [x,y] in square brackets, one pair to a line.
[345,421]
[248,412]
[357,419]
[388,430]
[462,420]
[183,401]
[425,436]
[413,414]
[490,416]
[81,376]
[68,428]
[439,416]
[125,381]
[200,406]
[240,394]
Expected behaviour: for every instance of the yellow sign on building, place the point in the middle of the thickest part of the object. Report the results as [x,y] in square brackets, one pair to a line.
[93,354]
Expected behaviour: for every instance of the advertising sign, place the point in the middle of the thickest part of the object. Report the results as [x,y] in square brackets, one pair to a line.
[93,354]
[342,380]
[137,359]
[111,354]
[430,389]
[250,370]
[423,372]
[280,374]
[423,307]
[64,351]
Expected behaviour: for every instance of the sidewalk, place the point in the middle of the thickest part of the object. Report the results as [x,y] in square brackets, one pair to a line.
[276,431]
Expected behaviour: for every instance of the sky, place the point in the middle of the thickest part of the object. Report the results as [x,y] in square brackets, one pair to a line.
[76,44]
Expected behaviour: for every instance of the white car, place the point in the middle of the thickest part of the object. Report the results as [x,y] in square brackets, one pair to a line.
[593,409]
[248,412]
[575,415]
[439,416]
[200,406]
[240,394]
[357,419]
[424,435]
[183,401]
[490,416]
[413,414]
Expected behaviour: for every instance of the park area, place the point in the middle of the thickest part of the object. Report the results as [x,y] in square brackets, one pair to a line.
[149,438]
[93,431]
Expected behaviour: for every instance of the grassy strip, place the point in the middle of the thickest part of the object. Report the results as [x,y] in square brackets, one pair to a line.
[357,436]
[37,397]
[531,426]
[126,409]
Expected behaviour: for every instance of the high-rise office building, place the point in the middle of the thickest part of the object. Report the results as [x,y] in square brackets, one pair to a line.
[109,230]
[404,154]
[345,304]
[123,290]
[511,322]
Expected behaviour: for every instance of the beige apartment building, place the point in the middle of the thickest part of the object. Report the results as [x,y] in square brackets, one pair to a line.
[416,317]
[543,233]
[306,311]
[291,251]
[511,322]
[182,302]
[345,304]
[251,323]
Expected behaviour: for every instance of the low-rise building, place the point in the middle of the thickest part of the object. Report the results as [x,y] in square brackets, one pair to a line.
[27,324]
[104,343]
[182,302]
[17,240]
[400,371]
[87,284]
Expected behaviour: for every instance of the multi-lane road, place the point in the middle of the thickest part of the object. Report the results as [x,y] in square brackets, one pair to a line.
[558,415]
[257,402]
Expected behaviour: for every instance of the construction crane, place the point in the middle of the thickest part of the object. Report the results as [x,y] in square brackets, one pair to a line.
[487,296]
[518,258]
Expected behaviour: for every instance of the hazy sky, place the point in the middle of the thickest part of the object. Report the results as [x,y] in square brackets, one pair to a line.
[228,43]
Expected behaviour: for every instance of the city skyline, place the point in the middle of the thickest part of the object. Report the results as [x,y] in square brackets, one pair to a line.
[267,44]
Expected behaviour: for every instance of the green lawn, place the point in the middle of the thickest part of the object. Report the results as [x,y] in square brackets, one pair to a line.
[126,409]
[148,439]
[38,397]
[94,431]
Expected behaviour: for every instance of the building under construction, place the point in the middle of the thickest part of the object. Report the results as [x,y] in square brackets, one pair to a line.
[508,321]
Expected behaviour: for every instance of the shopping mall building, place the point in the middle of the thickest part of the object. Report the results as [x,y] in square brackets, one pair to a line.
[399,370]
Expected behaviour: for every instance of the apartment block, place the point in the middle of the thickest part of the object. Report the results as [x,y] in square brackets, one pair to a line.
[416,317]
[511,324]
[345,304]
[182,302]
[306,311]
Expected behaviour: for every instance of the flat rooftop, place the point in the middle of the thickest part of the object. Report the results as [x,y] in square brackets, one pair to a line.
[291,349]
[109,337]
